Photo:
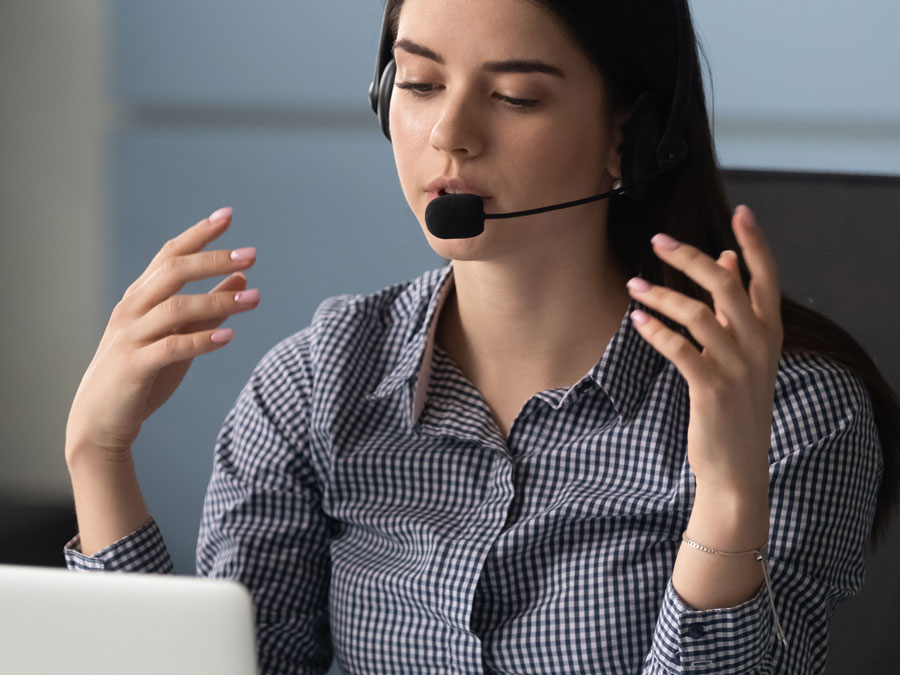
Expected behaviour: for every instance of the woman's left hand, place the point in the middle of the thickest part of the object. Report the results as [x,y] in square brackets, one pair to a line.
[732,380]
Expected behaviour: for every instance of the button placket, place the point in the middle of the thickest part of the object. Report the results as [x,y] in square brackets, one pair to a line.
[695,631]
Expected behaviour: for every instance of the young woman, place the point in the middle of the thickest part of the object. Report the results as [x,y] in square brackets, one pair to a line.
[598,440]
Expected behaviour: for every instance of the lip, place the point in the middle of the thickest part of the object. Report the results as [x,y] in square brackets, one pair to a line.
[453,183]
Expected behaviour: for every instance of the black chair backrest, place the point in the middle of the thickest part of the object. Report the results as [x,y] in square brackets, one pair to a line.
[837,242]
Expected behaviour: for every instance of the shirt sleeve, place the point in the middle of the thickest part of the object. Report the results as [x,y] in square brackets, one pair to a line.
[141,551]
[263,522]
[824,474]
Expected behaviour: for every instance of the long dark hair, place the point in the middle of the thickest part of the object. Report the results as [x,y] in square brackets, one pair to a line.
[633,45]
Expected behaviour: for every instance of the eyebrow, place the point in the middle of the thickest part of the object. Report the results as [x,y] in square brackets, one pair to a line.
[511,66]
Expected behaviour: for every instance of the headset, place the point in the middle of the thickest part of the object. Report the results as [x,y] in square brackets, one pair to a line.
[648,148]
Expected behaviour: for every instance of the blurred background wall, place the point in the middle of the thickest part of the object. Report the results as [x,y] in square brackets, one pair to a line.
[55,115]
[124,122]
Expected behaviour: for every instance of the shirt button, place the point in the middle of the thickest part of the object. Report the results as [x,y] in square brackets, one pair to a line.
[695,631]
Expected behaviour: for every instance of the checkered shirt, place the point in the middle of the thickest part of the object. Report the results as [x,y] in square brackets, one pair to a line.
[364,495]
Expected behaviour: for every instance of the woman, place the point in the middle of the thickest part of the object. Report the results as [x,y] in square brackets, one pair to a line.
[530,460]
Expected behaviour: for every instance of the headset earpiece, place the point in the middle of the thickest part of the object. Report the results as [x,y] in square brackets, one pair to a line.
[383,80]
[385,90]
[640,140]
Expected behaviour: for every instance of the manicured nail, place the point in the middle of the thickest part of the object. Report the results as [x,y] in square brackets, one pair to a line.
[243,253]
[639,317]
[219,216]
[665,242]
[639,285]
[223,335]
[247,297]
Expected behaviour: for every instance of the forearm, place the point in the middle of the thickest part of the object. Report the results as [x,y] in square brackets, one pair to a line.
[108,500]
[726,521]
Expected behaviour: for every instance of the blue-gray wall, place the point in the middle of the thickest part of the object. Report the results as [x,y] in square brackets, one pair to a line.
[805,84]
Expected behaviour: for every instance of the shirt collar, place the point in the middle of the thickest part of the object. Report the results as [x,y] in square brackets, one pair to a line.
[629,364]
[418,308]
[624,372]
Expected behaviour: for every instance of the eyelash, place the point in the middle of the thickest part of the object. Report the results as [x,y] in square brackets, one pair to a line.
[422,90]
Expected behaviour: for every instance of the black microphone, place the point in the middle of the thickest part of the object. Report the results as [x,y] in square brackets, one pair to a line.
[462,216]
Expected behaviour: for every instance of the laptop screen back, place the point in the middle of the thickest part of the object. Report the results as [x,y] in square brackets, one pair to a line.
[108,623]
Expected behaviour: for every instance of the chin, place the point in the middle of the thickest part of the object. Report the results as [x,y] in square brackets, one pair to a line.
[458,249]
[482,247]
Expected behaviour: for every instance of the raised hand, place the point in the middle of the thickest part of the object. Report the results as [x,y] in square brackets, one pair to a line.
[153,336]
[732,380]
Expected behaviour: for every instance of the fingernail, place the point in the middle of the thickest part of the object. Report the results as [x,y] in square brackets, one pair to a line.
[746,216]
[638,284]
[219,216]
[665,242]
[247,297]
[243,253]
[639,317]
[223,335]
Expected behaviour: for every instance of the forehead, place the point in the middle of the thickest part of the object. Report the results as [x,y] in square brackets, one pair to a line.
[487,29]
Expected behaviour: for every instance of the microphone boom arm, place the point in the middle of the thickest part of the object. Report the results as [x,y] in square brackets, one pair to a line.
[544,209]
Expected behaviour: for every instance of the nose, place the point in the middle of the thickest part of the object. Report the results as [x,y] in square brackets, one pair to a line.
[459,128]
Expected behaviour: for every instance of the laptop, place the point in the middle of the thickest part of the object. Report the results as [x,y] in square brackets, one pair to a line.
[55,621]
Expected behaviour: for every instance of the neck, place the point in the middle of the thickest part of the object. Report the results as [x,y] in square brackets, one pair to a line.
[543,322]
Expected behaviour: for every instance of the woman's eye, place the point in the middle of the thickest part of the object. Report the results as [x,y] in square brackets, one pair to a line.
[518,102]
[422,89]
[415,88]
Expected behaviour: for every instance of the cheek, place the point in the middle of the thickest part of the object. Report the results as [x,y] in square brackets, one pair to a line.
[573,154]
[409,138]
[557,161]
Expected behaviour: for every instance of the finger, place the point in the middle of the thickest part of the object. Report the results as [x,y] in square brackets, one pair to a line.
[765,294]
[174,348]
[728,260]
[191,240]
[182,310]
[197,236]
[236,282]
[676,348]
[173,273]
[727,292]
[697,316]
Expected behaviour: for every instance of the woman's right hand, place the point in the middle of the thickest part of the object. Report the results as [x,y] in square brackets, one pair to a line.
[153,336]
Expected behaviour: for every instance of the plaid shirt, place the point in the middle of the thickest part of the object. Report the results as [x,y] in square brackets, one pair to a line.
[363,493]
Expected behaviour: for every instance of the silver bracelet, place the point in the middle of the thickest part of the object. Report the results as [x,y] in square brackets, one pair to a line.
[762,555]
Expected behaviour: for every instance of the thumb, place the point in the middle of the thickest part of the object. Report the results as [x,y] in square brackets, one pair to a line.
[729,260]
[236,282]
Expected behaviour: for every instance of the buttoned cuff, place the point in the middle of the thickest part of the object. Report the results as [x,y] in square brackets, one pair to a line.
[141,551]
[716,641]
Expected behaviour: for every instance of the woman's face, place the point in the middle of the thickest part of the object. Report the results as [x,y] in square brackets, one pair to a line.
[496,95]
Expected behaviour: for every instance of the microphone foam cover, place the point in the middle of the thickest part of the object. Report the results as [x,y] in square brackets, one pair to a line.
[455,216]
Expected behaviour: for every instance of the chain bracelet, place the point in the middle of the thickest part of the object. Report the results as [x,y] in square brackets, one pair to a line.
[762,555]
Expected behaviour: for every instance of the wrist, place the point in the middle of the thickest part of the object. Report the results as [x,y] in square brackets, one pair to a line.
[108,500]
[729,520]
[82,454]
[750,486]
